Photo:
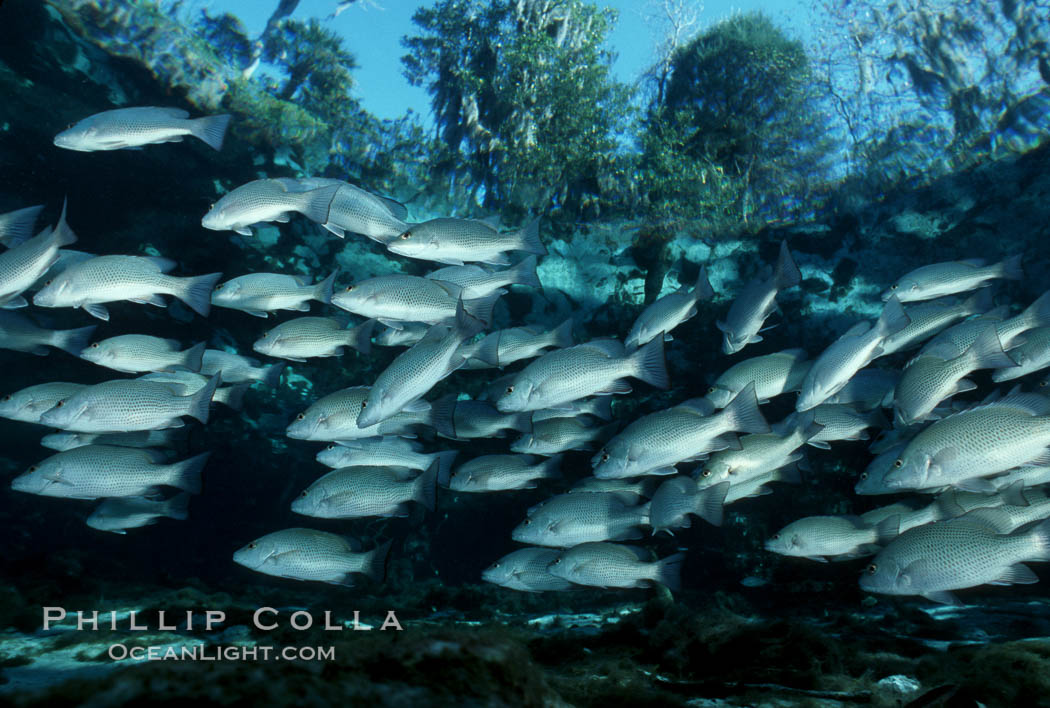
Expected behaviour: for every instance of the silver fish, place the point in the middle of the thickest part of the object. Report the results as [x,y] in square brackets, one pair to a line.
[848,354]
[506,346]
[359,492]
[458,241]
[928,379]
[309,554]
[262,293]
[187,383]
[772,374]
[30,403]
[308,337]
[599,407]
[938,279]
[655,443]
[124,406]
[141,125]
[934,559]
[662,316]
[265,200]
[478,282]
[931,318]
[610,565]
[637,487]
[1008,517]
[760,453]
[408,378]
[118,515]
[23,264]
[17,226]
[383,452]
[408,334]
[19,333]
[568,519]
[167,438]
[497,473]
[334,417]
[98,471]
[554,435]
[824,538]
[104,279]
[67,258]
[678,497]
[840,421]
[965,447]
[468,420]
[756,302]
[526,570]
[597,368]
[873,479]
[358,211]
[137,353]
[396,299]
[235,368]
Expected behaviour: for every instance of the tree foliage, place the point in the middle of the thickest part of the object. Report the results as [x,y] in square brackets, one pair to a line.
[737,129]
[522,96]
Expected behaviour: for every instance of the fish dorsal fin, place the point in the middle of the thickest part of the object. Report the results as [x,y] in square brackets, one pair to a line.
[609,347]
[857,330]
[398,210]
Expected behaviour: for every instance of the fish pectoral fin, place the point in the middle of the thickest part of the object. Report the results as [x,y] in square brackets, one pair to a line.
[98,311]
[282,218]
[341,233]
[1017,574]
[618,386]
[821,444]
[57,478]
[976,484]
[243,231]
[943,597]
[293,358]
[257,313]
[819,559]
[668,337]
[755,338]
[392,324]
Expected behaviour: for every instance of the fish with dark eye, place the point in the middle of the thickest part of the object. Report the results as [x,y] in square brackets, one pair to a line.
[123,513]
[123,128]
[309,554]
[458,241]
[314,337]
[662,316]
[611,565]
[265,200]
[360,492]
[950,278]
[25,262]
[138,353]
[259,294]
[526,570]
[497,473]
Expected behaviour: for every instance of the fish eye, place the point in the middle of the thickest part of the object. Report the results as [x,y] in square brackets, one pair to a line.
[266,334]
[898,463]
[301,416]
[34,468]
[364,404]
[497,564]
[605,457]
[219,286]
[94,345]
[304,495]
[349,288]
[775,536]
[711,390]
[330,447]
[872,569]
[251,545]
[706,472]
[1043,383]
[556,561]
[527,522]
[510,389]
[60,404]
[405,236]
[863,475]
[893,287]
[7,397]
[48,282]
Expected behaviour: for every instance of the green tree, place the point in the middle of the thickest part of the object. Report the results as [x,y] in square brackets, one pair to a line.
[522,96]
[316,64]
[737,129]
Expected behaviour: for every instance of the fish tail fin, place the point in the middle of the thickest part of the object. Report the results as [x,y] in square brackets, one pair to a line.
[787,273]
[979,303]
[73,341]
[63,235]
[323,290]
[193,358]
[374,565]
[888,529]
[648,364]
[196,292]
[1011,267]
[551,468]
[986,352]
[669,572]
[1038,313]
[742,413]
[178,507]
[444,460]
[703,290]
[200,402]
[17,226]
[524,273]
[710,503]
[561,336]
[425,485]
[529,238]
[211,129]
[316,204]
[272,375]
[487,350]
[442,416]
[481,308]
[1039,533]
[360,337]
[893,318]
[186,475]
[232,396]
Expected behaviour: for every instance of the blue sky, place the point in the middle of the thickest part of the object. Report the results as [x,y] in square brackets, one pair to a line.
[373,30]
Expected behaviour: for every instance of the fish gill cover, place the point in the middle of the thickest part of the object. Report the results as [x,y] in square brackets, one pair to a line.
[592,386]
